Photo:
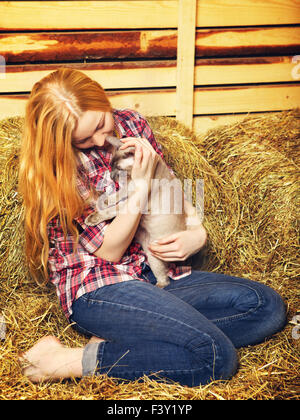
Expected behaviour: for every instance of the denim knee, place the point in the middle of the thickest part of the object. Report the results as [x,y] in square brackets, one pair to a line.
[216,358]
[274,312]
[261,314]
[229,360]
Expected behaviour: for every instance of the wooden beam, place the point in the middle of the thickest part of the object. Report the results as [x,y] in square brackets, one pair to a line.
[127,14]
[248,41]
[239,99]
[185,61]
[108,45]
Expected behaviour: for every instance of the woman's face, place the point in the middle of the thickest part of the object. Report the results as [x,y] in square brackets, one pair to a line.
[92,128]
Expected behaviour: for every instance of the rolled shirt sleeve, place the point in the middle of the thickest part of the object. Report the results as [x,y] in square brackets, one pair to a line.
[90,237]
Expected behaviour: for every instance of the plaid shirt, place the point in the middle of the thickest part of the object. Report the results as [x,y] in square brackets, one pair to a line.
[80,272]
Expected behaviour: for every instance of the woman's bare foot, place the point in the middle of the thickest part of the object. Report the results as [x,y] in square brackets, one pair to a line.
[48,359]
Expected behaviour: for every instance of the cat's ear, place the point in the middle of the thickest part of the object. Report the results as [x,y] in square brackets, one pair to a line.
[114,141]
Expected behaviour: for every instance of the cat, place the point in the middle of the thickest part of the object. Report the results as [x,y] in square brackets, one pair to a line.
[164,215]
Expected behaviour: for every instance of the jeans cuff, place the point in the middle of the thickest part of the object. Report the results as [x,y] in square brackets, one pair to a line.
[89,359]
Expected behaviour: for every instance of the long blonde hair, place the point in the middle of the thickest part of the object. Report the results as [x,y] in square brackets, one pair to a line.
[48,164]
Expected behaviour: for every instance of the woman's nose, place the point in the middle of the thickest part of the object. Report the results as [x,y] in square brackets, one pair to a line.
[98,139]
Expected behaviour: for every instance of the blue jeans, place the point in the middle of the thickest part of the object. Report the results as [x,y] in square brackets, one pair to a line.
[187,332]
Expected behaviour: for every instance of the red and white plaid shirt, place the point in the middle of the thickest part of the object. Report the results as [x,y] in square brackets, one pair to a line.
[80,272]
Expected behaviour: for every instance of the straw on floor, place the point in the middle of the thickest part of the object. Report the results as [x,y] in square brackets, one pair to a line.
[251,212]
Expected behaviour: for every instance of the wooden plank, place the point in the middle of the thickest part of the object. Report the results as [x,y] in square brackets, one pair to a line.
[232,71]
[68,46]
[240,99]
[120,75]
[248,41]
[49,15]
[185,62]
[251,98]
[247,12]
[159,74]
[57,46]
[12,105]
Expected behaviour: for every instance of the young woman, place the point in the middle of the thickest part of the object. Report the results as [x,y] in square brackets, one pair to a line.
[187,332]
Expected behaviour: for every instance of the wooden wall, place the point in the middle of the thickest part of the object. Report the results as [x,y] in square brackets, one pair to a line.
[207,62]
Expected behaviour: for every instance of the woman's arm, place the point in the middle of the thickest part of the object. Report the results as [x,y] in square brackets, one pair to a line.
[181,245]
[120,232]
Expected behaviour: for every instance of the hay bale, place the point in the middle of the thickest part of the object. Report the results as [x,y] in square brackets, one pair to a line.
[250,172]
[251,182]
[13,267]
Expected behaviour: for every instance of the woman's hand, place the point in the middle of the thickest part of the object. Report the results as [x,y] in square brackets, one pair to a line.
[145,158]
[179,246]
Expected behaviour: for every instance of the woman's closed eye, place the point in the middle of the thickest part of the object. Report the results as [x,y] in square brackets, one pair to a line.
[83,141]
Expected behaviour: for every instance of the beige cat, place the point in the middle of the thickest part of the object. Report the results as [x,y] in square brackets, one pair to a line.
[165,214]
